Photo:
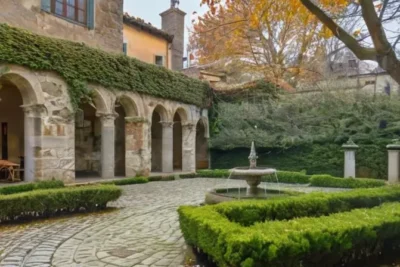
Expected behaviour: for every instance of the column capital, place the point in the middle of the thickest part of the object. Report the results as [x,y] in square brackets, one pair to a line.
[35,110]
[107,119]
[167,124]
[136,120]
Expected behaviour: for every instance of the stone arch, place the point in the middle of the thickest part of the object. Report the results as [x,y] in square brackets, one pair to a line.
[162,111]
[129,105]
[28,85]
[21,89]
[100,103]
[183,114]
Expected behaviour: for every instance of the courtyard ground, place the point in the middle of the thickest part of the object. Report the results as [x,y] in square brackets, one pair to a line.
[142,230]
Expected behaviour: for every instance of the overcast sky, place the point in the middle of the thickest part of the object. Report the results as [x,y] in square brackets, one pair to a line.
[150,10]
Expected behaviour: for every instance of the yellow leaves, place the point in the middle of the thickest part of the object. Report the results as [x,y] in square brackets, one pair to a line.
[357,33]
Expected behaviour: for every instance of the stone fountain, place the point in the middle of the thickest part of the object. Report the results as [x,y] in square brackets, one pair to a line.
[253,174]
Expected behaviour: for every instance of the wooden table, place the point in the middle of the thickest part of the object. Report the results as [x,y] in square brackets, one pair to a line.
[9,167]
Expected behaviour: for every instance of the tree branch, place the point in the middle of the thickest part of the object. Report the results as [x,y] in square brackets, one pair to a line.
[385,3]
[362,53]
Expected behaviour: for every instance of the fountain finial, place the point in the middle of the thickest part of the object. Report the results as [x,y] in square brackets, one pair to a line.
[253,156]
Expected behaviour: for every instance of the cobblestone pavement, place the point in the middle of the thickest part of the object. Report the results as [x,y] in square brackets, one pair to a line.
[142,231]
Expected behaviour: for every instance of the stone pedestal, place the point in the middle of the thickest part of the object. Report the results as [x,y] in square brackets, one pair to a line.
[393,163]
[167,147]
[253,182]
[350,159]
[107,145]
[189,147]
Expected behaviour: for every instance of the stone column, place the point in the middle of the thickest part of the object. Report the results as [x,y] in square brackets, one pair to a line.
[167,146]
[393,162]
[350,159]
[32,136]
[107,145]
[135,146]
[189,147]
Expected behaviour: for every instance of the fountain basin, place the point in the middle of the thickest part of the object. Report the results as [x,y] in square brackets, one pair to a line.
[252,176]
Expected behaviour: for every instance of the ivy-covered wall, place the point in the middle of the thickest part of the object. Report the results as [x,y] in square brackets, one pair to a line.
[79,64]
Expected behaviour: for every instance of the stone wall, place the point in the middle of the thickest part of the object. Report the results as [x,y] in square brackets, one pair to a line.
[107,33]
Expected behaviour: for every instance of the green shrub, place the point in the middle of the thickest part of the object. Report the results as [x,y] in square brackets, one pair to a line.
[161,178]
[213,173]
[188,176]
[288,177]
[78,65]
[330,181]
[8,190]
[128,181]
[322,241]
[308,205]
[49,202]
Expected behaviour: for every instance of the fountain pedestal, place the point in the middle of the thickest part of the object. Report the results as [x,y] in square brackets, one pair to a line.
[253,182]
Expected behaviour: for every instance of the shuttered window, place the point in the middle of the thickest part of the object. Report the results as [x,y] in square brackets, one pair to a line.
[80,11]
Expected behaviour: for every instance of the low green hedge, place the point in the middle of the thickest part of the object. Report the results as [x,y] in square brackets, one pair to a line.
[308,205]
[161,178]
[298,242]
[8,190]
[213,173]
[288,177]
[49,202]
[330,181]
[128,181]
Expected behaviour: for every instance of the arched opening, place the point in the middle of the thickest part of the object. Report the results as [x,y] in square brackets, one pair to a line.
[87,142]
[156,140]
[177,142]
[120,150]
[201,146]
[12,144]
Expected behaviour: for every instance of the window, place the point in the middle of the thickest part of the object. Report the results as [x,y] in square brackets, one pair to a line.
[159,60]
[369,82]
[79,11]
[75,10]
[125,48]
[352,63]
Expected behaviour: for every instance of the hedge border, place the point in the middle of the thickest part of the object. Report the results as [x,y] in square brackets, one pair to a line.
[336,182]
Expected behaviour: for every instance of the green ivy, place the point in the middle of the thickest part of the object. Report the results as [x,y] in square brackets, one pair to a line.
[79,65]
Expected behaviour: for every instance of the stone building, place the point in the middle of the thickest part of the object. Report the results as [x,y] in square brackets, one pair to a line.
[118,133]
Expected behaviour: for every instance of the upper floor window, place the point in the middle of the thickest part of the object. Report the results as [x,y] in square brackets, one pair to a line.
[79,11]
[159,60]
[71,9]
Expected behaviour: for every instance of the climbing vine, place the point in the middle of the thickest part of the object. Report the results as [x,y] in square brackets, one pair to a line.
[79,65]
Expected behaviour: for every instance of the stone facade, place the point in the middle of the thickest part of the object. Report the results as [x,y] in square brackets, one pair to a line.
[108,26]
[58,142]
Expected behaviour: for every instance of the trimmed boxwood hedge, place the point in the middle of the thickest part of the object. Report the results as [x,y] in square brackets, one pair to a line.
[304,241]
[313,204]
[79,64]
[13,189]
[288,177]
[330,181]
[128,181]
[39,203]
[213,173]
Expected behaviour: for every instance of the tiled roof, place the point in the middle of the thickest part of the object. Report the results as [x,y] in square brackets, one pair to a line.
[140,23]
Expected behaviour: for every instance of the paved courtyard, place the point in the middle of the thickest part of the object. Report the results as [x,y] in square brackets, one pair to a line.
[143,230]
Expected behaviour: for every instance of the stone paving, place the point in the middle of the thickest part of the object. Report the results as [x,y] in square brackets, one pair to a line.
[142,231]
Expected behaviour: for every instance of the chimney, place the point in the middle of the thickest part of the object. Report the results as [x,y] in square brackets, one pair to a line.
[173,22]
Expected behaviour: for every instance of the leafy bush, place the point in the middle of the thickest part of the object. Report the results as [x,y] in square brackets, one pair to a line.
[161,178]
[322,241]
[329,181]
[288,177]
[213,173]
[128,181]
[309,205]
[8,190]
[49,202]
[188,176]
[78,65]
